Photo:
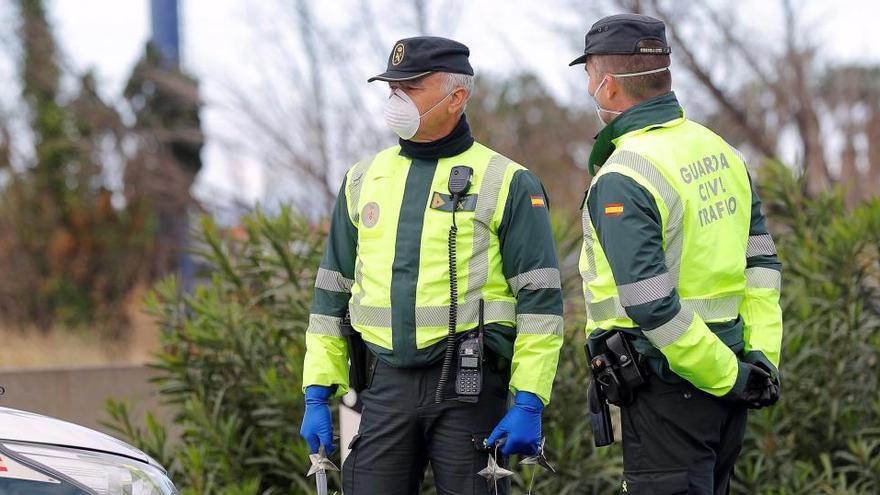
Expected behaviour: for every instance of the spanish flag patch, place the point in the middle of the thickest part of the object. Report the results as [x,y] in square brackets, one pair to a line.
[614,209]
[537,201]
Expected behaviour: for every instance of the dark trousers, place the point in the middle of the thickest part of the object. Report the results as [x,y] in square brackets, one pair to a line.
[679,440]
[402,430]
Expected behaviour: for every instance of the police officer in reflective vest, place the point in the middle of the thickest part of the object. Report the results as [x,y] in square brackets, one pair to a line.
[677,263]
[440,250]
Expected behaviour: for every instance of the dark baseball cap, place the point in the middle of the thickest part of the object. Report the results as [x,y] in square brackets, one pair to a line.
[621,35]
[412,58]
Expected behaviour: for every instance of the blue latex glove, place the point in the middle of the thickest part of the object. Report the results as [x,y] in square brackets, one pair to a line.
[521,425]
[317,424]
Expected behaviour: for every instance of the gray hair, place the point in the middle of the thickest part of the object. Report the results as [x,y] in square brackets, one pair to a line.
[452,81]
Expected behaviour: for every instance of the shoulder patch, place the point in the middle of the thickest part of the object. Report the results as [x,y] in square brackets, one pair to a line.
[613,209]
[537,201]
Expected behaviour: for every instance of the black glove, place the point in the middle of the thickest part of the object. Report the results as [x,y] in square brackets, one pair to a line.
[771,394]
[753,388]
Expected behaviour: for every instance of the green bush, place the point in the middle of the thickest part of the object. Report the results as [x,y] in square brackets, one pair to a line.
[824,434]
[232,358]
[231,363]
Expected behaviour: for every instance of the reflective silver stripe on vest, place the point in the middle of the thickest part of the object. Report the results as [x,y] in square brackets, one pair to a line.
[760,245]
[436,316]
[589,275]
[359,171]
[541,278]
[645,291]
[370,316]
[333,281]
[325,325]
[468,313]
[487,199]
[359,280]
[534,324]
[606,309]
[722,308]
[672,330]
[675,221]
[358,174]
[763,278]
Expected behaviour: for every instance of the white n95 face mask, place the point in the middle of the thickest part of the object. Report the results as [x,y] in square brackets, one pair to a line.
[402,114]
[600,108]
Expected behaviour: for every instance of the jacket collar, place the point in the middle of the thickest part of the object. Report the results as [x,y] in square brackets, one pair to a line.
[455,143]
[647,114]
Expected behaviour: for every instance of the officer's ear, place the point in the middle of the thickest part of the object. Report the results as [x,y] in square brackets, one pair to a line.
[613,87]
[457,100]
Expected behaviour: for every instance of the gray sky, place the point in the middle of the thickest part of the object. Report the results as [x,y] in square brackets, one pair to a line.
[504,36]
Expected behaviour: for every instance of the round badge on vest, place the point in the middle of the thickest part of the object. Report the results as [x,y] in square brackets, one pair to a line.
[370,214]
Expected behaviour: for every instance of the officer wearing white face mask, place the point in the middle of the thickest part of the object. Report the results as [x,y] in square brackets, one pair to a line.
[441,258]
[681,278]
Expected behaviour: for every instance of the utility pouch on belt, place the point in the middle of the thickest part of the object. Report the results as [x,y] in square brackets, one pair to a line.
[616,371]
[626,363]
[358,355]
[615,375]
[600,415]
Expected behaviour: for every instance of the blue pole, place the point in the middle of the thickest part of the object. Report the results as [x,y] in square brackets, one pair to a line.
[166,31]
[166,41]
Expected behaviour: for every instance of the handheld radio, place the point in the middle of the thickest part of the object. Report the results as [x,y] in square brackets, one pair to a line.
[459,183]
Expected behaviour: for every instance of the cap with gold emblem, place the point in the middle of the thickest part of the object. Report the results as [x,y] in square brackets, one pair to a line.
[412,58]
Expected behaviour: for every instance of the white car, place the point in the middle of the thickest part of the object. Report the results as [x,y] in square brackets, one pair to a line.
[40,455]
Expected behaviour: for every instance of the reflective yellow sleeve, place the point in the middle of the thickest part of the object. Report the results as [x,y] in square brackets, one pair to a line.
[326,362]
[536,354]
[695,353]
[763,317]
[326,359]
[529,262]
[760,308]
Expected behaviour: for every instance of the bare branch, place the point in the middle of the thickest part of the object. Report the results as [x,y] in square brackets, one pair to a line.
[317,111]
[420,10]
[754,133]
[807,121]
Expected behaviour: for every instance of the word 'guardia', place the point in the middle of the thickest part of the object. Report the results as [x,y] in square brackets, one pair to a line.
[711,188]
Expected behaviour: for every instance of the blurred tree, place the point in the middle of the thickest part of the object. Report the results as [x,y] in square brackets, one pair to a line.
[310,115]
[519,118]
[167,159]
[69,254]
[852,96]
[306,118]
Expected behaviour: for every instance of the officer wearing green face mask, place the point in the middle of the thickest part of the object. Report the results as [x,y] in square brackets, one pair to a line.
[681,278]
[441,252]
